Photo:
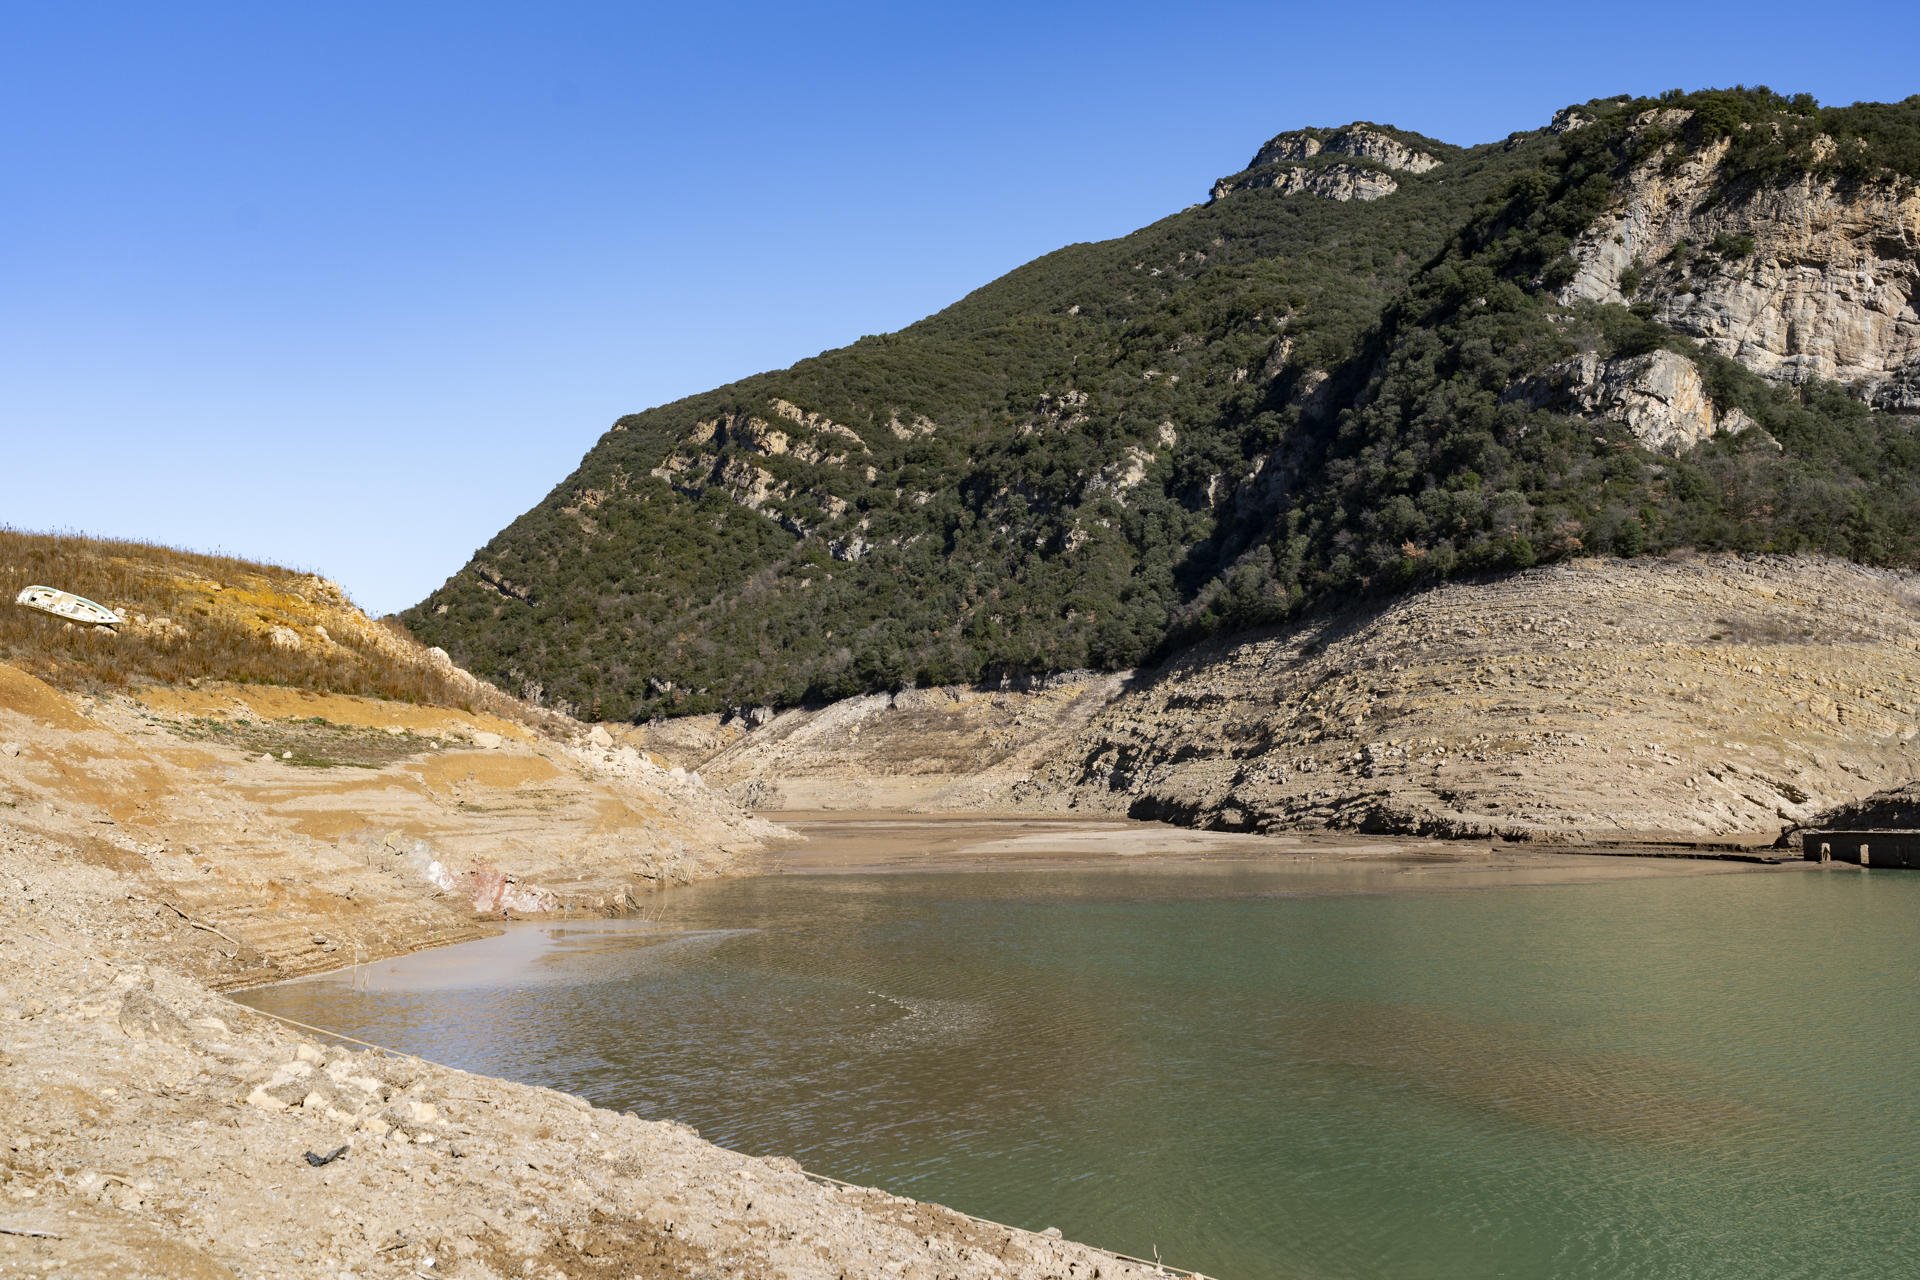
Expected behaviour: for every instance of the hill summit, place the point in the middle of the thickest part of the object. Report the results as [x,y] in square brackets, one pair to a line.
[1372,361]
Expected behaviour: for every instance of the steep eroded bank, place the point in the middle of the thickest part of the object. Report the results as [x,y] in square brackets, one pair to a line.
[1697,696]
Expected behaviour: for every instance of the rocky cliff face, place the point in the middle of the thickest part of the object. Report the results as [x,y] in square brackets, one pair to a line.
[1657,396]
[1283,164]
[1806,277]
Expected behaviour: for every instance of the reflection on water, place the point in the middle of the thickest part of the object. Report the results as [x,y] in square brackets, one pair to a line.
[1699,1076]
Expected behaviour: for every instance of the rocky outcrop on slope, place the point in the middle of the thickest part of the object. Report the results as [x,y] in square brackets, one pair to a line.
[1331,182]
[1282,164]
[1658,396]
[1361,141]
[1705,696]
[1801,278]
[703,462]
[1695,697]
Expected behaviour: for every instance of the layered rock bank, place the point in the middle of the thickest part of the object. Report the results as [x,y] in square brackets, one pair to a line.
[1693,697]
[303,830]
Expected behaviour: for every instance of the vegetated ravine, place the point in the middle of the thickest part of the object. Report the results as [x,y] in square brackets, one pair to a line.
[1371,361]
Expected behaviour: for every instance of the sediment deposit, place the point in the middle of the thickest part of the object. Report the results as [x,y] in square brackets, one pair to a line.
[304,830]
[949,748]
[159,847]
[153,1128]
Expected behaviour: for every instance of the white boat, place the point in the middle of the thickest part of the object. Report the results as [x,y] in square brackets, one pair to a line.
[68,607]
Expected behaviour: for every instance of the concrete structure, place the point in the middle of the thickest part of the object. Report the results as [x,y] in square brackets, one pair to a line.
[1884,848]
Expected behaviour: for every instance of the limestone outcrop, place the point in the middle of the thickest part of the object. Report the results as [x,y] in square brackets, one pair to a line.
[1363,142]
[1809,277]
[1658,396]
[1333,182]
[1283,164]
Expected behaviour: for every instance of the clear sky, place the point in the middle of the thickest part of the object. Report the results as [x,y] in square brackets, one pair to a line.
[349,286]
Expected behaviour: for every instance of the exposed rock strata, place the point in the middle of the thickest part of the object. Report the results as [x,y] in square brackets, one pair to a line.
[1699,697]
[1658,396]
[946,748]
[306,829]
[1281,164]
[1811,278]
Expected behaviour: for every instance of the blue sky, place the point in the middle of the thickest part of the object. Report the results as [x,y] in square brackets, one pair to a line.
[348,287]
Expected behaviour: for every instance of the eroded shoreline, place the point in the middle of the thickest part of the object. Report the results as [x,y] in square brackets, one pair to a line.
[158,1125]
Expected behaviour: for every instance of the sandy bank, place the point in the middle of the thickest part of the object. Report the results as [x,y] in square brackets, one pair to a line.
[886,841]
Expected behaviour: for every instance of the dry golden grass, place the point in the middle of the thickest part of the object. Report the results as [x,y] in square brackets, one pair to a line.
[199,617]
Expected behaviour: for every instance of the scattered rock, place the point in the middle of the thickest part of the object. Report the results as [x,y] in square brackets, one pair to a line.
[1658,396]
[142,1015]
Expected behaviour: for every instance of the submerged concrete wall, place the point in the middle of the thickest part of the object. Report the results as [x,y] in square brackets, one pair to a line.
[1865,848]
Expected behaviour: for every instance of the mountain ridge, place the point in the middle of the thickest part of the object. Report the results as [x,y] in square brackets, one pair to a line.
[1249,410]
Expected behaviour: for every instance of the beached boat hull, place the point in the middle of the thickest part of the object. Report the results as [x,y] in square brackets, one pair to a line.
[68,607]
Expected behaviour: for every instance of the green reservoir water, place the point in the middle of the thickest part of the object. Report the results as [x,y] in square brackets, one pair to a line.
[1680,1076]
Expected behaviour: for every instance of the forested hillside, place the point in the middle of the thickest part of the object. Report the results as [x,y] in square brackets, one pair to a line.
[1370,361]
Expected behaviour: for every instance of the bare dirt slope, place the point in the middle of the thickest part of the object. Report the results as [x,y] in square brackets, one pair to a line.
[945,748]
[1711,696]
[308,829]
[307,785]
